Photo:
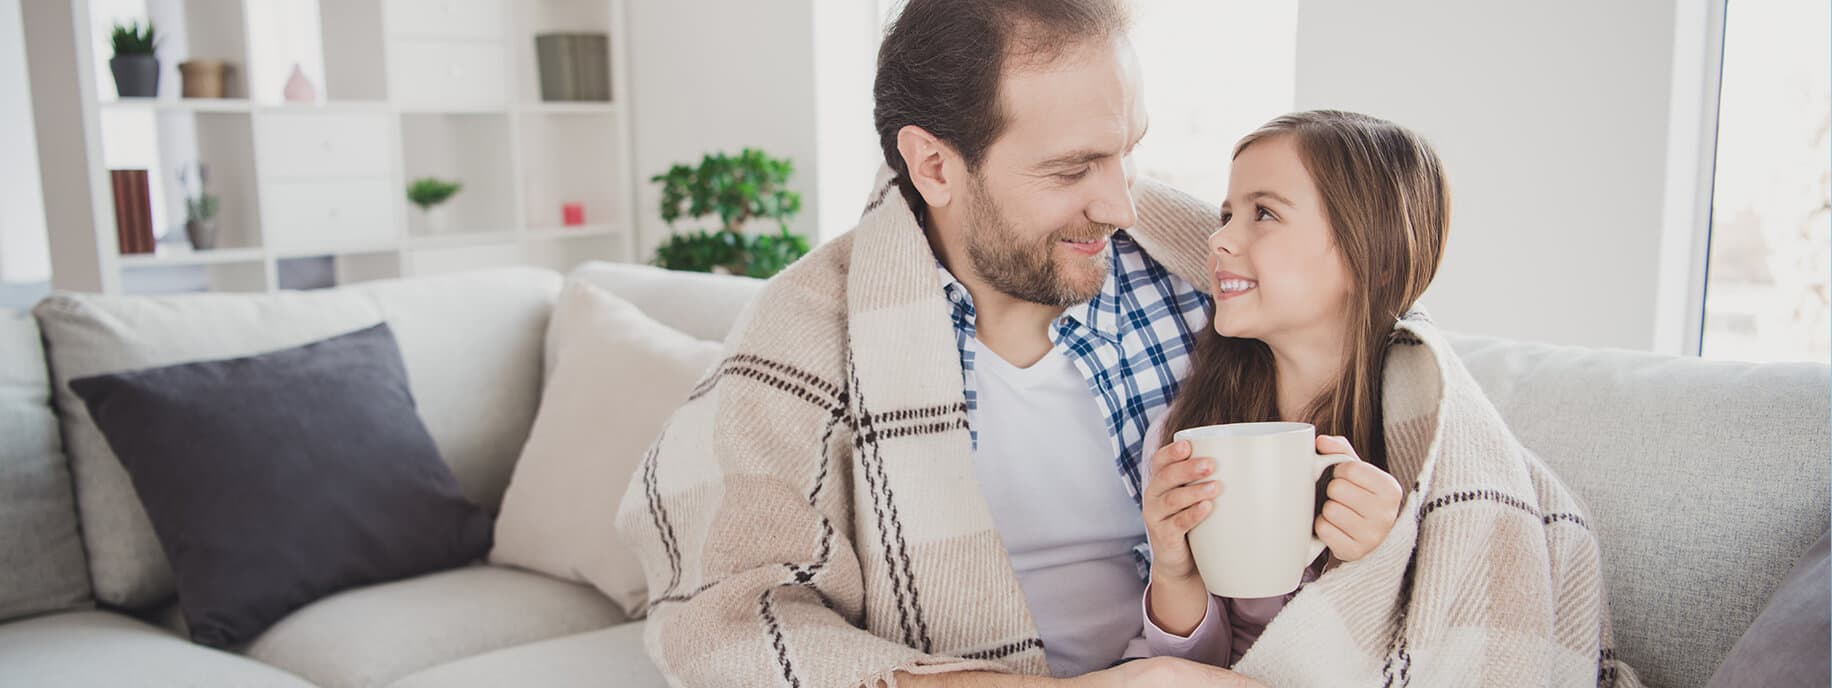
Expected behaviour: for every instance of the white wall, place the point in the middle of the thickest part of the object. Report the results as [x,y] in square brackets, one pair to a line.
[846,38]
[1553,120]
[25,254]
[1213,72]
[712,75]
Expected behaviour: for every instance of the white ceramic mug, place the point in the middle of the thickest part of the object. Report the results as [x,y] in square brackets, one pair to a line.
[1258,538]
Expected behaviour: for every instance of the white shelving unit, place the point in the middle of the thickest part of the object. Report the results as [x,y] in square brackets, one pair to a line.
[314,194]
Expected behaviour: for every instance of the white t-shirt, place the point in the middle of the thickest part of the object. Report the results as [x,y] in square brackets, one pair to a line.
[1047,469]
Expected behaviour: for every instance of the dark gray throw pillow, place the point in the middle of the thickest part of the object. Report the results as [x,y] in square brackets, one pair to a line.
[1788,643]
[277,479]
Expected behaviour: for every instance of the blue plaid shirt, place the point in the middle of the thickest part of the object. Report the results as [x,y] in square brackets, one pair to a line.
[1132,343]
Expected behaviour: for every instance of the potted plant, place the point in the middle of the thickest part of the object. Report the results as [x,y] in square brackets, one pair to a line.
[429,193]
[200,208]
[136,69]
[749,186]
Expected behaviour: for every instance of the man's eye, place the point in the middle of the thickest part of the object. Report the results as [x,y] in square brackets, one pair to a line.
[1073,176]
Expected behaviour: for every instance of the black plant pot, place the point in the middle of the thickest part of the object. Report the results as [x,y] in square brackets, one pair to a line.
[136,76]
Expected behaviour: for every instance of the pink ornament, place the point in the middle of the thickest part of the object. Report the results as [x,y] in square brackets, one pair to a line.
[300,89]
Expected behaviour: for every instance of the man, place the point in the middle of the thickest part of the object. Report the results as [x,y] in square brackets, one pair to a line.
[920,461]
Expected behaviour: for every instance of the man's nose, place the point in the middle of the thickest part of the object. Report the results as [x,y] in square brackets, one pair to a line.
[1112,203]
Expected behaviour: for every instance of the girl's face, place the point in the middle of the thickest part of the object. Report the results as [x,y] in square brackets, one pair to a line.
[1274,267]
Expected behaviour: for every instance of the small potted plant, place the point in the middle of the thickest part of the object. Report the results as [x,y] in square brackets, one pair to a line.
[749,186]
[135,67]
[200,208]
[429,193]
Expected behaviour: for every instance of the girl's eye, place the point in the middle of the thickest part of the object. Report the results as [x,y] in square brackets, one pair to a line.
[1225,217]
[1264,215]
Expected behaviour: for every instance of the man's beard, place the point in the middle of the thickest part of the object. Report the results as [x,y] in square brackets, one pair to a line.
[1028,271]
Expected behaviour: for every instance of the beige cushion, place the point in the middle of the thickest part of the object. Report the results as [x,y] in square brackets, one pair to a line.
[703,305]
[1706,481]
[41,548]
[616,375]
[471,344]
[373,636]
[611,658]
[84,649]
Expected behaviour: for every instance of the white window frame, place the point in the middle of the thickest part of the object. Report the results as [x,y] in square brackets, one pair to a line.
[1692,132]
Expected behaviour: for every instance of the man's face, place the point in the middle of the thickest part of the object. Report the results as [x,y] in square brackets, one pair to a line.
[1056,184]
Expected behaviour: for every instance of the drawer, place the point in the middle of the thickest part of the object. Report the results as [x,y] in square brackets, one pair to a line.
[309,215]
[460,19]
[447,74]
[306,146]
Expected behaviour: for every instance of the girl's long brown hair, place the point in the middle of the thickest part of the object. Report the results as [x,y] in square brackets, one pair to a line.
[1388,206]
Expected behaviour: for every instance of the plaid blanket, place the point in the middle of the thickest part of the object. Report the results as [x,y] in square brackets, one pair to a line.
[811,516]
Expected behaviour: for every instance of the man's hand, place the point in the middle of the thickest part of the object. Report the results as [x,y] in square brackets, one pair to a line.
[1164,671]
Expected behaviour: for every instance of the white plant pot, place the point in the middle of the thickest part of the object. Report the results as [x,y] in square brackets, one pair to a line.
[438,219]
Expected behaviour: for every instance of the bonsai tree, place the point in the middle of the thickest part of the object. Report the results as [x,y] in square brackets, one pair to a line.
[750,186]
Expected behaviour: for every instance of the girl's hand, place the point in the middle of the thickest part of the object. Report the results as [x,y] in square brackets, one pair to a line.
[1363,503]
[1173,506]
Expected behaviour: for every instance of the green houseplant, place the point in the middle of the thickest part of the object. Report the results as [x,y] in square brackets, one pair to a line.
[200,208]
[737,189]
[136,69]
[429,193]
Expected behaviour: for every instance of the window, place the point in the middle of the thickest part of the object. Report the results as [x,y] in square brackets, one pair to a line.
[1766,293]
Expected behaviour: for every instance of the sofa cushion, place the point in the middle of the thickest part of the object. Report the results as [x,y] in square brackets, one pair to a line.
[41,547]
[1706,480]
[83,649]
[703,305]
[461,335]
[373,636]
[610,658]
[472,342]
[615,377]
[276,479]
[91,335]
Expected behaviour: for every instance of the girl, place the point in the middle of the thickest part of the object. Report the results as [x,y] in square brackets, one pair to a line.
[1334,225]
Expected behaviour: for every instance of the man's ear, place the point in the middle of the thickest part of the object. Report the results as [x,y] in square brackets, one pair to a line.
[926,159]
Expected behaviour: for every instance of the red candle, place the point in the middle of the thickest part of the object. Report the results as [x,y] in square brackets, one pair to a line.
[573,214]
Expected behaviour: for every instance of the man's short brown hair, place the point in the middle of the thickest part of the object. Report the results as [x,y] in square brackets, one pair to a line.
[941,60]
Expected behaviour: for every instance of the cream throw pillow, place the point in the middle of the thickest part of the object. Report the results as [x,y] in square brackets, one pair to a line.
[614,375]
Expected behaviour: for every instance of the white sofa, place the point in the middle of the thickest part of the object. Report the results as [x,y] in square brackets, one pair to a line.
[1707,480]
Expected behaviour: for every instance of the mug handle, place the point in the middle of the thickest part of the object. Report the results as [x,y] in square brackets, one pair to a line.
[1321,462]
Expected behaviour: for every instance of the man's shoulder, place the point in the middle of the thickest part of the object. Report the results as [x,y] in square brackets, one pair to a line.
[810,291]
